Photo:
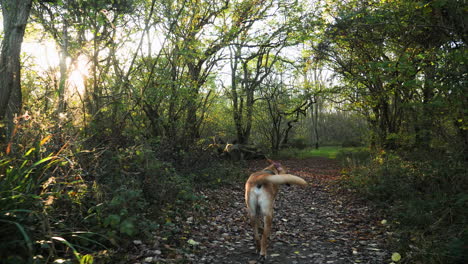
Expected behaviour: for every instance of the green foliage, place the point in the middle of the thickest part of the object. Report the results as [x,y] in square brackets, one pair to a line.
[353,157]
[147,180]
[124,215]
[426,197]
[299,143]
[30,229]
[19,199]
[406,79]
[56,211]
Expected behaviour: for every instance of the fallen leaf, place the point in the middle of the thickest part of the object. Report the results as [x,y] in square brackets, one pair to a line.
[396,256]
[193,242]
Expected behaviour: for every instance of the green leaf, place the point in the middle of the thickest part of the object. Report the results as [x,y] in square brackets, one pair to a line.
[87,259]
[193,242]
[43,160]
[127,227]
[396,257]
[68,244]
[112,220]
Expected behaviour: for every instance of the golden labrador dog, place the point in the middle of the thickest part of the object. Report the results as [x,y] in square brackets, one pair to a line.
[260,191]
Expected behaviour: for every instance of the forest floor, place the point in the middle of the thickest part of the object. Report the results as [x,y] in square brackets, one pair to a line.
[313,224]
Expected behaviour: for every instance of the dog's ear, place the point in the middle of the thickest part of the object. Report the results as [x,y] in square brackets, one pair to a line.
[276,164]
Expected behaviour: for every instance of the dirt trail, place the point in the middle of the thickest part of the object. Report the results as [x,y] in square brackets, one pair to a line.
[310,225]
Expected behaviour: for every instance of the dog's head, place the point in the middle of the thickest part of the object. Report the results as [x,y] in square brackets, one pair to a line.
[276,167]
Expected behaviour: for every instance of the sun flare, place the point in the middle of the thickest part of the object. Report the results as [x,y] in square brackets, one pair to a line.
[78,75]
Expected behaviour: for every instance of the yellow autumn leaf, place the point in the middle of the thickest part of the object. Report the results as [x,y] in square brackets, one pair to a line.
[43,141]
[396,257]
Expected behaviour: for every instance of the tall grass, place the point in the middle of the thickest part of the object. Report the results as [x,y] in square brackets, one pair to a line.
[27,189]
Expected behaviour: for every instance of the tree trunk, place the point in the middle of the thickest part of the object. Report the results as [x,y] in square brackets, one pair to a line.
[316,131]
[243,122]
[15,17]
[63,69]
[315,118]
[424,136]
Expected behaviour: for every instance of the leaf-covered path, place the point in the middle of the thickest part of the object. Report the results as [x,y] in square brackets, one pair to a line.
[310,225]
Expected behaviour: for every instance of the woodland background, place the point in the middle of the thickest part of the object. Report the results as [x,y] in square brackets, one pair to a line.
[118,137]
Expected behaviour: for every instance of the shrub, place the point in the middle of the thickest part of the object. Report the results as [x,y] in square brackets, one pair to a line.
[299,143]
[351,143]
[427,199]
[124,216]
[353,157]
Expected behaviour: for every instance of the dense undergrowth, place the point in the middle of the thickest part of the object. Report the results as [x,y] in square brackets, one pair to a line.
[424,195]
[70,203]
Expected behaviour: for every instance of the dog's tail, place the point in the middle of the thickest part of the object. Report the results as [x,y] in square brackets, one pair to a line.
[284,179]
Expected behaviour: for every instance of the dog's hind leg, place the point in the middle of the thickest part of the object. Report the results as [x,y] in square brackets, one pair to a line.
[254,222]
[266,233]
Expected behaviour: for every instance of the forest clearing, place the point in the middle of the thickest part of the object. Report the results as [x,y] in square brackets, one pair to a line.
[128,130]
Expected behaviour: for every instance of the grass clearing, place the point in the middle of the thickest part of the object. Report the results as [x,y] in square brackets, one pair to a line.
[330,152]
